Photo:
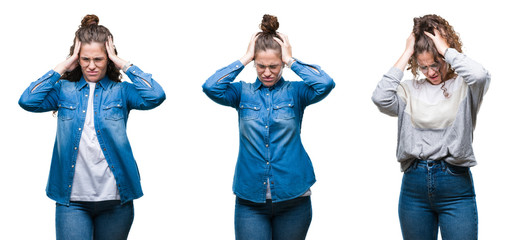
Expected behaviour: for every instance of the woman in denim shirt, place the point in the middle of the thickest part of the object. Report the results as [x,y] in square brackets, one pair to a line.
[273,174]
[436,121]
[93,175]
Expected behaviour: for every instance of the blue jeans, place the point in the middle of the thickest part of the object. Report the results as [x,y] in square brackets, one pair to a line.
[436,194]
[106,220]
[277,221]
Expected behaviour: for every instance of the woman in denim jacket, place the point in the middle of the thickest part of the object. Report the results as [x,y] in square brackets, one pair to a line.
[436,121]
[273,174]
[93,175]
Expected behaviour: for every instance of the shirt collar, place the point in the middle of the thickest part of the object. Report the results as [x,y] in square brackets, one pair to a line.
[104,83]
[258,84]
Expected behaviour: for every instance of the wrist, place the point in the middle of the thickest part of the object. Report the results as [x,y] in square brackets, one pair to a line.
[126,66]
[245,60]
[59,69]
[289,62]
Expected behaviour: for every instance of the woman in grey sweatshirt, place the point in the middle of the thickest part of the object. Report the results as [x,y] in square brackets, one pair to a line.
[436,120]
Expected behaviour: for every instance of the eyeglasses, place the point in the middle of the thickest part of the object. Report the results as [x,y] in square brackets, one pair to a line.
[434,66]
[99,61]
[273,68]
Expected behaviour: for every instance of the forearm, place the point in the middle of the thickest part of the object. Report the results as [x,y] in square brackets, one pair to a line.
[472,72]
[385,95]
[218,86]
[148,89]
[319,82]
[37,97]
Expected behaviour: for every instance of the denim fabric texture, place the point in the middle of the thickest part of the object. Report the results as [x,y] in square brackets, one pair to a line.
[269,129]
[435,194]
[112,103]
[105,220]
[288,220]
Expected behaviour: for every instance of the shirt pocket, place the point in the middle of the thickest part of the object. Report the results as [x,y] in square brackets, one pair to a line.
[249,111]
[113,110]
[66,110]
[284,110]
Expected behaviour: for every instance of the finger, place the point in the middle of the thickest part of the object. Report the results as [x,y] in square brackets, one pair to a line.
[77,47]
[429,35]
[278,41]
[437,32]
[283,36]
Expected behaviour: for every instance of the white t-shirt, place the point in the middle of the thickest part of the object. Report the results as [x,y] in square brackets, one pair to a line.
[93,180]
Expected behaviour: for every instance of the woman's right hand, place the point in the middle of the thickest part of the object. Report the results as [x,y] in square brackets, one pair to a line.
[249,56]
[407,54]
[71,62]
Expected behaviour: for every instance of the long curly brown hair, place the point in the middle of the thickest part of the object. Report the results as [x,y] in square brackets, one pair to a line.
[423,43]
[90,31]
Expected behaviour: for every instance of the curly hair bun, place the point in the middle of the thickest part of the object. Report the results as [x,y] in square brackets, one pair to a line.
[89,20]
[269,24]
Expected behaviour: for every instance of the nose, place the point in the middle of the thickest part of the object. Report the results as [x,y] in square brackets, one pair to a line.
[432,71]
[267,71]
[92,64]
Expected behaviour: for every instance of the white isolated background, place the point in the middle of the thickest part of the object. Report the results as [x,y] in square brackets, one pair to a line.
[186,148]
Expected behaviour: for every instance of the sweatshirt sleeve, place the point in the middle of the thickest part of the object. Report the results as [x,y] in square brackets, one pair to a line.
[476,77]
[385,95]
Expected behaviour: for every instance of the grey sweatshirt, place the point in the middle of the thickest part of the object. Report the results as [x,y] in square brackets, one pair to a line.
[430,125]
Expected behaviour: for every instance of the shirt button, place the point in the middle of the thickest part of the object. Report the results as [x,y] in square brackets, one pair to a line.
[266,145]
[268,163]
[268,109]
[75,148]
[266,126]
[264,183]
[79,129]
[98,131]
[84,111]
[86,95]
[267,94]
[69,186]
[72,166]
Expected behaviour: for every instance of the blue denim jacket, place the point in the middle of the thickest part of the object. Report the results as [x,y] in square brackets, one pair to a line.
[269,129]
[112,103]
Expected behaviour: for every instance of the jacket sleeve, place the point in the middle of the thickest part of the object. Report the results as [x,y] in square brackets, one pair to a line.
[317,83]
[42,95]
[145,93]
[219,86]
[385,95]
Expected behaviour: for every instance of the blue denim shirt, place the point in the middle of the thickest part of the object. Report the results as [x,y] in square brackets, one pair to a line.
[269,129]
[112,103]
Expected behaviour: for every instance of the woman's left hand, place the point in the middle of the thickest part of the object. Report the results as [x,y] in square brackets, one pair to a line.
[286,48]
[440,42]
[110,48]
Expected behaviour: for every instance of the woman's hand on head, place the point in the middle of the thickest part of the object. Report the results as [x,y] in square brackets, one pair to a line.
[407,54]
[249,56]
[439,41]
[110,49]
[71,62]
[286,48]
